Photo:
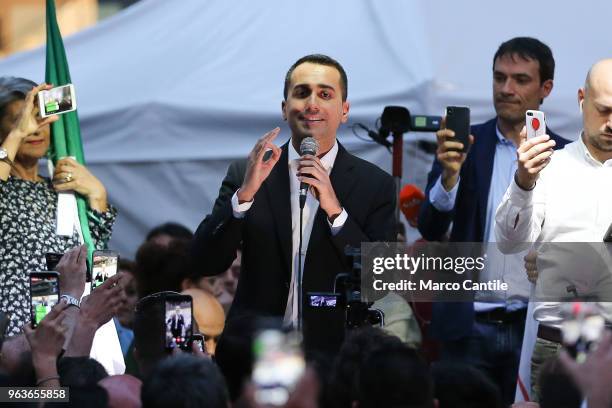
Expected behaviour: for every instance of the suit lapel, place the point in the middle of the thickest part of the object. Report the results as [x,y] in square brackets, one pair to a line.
[486,155]
[277,188]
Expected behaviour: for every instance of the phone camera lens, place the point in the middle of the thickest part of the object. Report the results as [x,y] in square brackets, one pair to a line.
[449,111]
[529,114]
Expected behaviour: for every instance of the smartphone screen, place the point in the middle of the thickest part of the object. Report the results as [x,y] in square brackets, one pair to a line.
[279,364]
[458,120]
[326,300]
[104,265]
[199,340]
[44,294]
[56,101]
[52,259]
[178,321]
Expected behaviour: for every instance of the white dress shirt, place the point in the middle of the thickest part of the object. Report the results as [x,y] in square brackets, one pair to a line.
[571,202]
[508,269]
[309,212]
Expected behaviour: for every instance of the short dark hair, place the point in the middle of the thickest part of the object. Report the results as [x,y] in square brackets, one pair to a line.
[173,229]
[80,371]
[395,376]
[184,381]
[160,268]
[318,59]
[459,385]
[529,48]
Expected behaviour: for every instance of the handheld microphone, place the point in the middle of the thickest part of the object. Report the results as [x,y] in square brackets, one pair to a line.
[309,145]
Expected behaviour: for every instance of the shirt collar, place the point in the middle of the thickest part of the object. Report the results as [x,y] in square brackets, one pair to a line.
[587,155]
[327,160]
[500,137]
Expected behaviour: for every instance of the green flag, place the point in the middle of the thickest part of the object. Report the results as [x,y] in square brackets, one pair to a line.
[66,132]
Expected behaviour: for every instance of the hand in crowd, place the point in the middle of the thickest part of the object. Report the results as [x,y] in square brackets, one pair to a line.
[71,175]
[312,172]
[103,303]
[594,376]
[257,169]
[449,155]
[46,342]
[533,155]
[73,269]
[531,267]
[29,121]
[195,351]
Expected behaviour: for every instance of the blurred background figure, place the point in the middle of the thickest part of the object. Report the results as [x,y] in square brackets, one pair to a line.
[124,320]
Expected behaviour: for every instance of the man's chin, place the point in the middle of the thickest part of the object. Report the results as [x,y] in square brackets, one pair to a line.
[510,115]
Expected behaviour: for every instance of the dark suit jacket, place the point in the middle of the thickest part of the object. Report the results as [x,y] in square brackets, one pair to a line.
[454,320]
[365,191]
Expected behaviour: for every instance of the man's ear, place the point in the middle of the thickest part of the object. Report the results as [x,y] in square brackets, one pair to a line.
[345,111]
[283,106]
[547,87]
[581,94]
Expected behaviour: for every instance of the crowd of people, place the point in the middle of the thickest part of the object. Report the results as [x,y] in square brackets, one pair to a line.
[279,230]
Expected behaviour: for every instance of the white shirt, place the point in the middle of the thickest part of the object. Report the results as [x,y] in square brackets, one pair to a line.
[571,202]
[508,269]
[310,210]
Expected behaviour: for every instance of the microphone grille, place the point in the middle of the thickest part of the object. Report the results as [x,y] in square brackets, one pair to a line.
[309,145]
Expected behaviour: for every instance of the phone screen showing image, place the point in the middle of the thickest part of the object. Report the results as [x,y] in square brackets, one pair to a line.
[178,321]
[44,292]
[104,265]
[56,101]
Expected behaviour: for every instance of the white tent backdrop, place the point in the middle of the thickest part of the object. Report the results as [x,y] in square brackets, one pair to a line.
[170,91]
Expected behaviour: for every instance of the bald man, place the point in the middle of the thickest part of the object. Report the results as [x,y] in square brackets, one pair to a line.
[562,198]
[209,316]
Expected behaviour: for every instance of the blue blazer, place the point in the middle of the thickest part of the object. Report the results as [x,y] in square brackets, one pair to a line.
[453,320]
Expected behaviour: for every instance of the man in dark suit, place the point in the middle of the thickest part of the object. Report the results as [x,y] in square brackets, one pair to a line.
[465,190]
[176,323]
[350,201]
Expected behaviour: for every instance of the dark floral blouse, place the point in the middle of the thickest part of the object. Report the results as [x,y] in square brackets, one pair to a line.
[27,231]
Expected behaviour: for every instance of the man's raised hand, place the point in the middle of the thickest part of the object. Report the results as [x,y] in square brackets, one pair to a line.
[257,169]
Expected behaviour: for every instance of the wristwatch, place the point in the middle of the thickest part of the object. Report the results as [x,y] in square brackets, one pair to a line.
[71,300]
[4,157]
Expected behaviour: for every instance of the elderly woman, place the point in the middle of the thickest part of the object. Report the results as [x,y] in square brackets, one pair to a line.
[28,201]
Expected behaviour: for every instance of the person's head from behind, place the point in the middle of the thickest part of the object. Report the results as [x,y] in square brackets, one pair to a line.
[595,101]
[80,371]
[162,268]
[149,329]
[463,386]
[343,384]
[184,381]
[523,73]
[208,313]
[13,93]
[315,100]
[395,376]
[165,233]
[123,391]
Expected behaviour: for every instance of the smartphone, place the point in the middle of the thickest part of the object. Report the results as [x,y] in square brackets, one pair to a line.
[44,294]
[104,265]
[279,364]
[535,123]
[199,340]
[323,300]
[458,120]
[52,259]
[57,101]
[608,236]
[178,320]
